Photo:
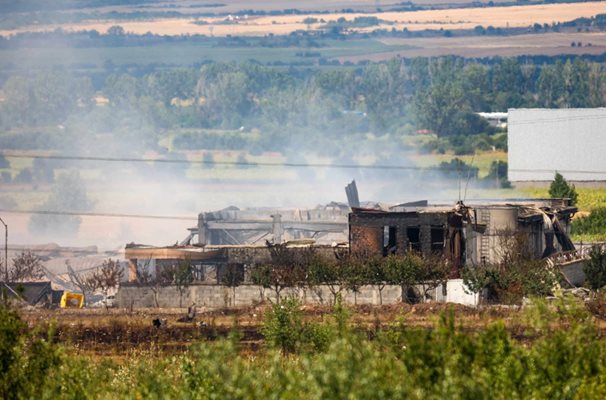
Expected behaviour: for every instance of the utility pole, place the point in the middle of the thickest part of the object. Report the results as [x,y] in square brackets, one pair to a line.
[5,250]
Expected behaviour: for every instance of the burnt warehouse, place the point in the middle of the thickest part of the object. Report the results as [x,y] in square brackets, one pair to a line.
[466,234]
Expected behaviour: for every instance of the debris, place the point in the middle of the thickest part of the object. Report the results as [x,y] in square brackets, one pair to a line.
[159,323]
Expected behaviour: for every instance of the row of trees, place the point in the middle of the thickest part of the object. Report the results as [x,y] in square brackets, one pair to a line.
[308,270]
[291,106]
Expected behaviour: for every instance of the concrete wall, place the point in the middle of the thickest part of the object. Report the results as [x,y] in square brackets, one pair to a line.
[216,296]
[542,141]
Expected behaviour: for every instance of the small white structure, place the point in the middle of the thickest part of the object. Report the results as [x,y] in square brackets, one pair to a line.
[456,292]
[498,119]
[570,141]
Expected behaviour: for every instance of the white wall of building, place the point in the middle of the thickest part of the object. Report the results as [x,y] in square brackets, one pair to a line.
[570,141]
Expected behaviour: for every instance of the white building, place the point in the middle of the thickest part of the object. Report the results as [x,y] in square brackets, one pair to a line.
[569,141]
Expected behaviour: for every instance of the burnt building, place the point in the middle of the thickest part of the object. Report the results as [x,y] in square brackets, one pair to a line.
[233,226]
[466,234]
[209,263]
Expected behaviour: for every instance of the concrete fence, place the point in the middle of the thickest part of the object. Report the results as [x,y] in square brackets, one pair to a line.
[218,296]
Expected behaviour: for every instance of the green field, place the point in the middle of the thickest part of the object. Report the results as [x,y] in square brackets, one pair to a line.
[182,54]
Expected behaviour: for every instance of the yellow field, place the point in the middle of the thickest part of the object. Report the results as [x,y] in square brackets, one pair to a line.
[589,198]
[466,18]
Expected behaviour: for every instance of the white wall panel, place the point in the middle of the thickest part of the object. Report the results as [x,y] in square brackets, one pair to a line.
[570,141]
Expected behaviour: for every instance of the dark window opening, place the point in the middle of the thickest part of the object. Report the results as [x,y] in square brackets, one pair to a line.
[389,240]
[414,238]
[437,238]
[197,272]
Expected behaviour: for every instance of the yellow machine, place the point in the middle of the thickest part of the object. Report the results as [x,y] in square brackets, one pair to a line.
[72,300]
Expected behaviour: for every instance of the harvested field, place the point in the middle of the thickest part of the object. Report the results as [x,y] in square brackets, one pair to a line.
[232,6]
[449,19]
[549,44]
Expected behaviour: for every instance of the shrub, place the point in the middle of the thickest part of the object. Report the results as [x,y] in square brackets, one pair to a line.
[26,362]
[560,188]
[458,169]
[593,224]
[595,268]
[514,277]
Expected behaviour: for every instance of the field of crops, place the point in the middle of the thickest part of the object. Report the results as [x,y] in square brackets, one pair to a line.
[450,19]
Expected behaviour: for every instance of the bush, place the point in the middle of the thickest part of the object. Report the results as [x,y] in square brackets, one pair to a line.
[498,173]
[593,224]
[560,356]
[560,188]
[458,169]
[26,362]
[595,268]
[285,329]
[516,275]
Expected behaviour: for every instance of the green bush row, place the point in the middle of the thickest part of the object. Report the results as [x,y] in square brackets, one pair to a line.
[444,361]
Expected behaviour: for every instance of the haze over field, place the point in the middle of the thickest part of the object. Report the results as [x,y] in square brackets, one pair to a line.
[273,86]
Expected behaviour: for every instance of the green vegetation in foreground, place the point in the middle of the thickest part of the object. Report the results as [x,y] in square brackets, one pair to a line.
[400,362]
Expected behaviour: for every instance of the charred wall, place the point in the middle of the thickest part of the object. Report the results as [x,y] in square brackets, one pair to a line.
[398,232]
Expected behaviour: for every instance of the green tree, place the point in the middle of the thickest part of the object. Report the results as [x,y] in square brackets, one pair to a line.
[595,268]
[232,277]
[285,270]
[404,271]
[46,97]
[560,188]
[440,107]
[378,274]
[180,275]
[498,174]
[550,85]
[576,84]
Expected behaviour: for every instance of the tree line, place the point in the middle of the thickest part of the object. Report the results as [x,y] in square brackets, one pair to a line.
[287,107]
